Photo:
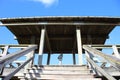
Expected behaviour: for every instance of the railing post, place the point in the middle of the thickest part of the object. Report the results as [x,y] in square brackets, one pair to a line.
[90,56]
[28,56]
[4,54]
[41,46]
[115,50]
[5,50]
[87,54]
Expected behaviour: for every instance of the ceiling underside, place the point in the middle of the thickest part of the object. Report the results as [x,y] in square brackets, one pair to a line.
[62,38]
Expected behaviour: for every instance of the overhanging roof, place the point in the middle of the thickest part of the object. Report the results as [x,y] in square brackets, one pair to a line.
[61,30]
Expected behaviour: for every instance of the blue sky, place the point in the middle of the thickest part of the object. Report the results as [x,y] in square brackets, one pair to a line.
[29,8]
[20,8]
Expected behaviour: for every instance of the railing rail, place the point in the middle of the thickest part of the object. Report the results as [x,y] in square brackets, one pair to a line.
[112,59]
[91,52]
[104,73]
[9,58]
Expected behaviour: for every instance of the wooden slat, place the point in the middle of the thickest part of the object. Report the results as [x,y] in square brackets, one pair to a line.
[107,75]
[16,70]
[11,57]
[111,59]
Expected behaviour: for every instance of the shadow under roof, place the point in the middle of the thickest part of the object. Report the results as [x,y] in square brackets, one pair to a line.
[61,30]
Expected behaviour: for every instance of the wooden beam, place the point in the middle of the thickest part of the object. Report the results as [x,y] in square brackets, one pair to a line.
[41,46]
[103,46]
[60,23]
[79,46]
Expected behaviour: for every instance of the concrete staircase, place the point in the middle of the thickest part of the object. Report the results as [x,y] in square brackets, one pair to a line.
[59,72]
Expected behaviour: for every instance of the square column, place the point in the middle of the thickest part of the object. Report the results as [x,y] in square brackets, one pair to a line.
[48,60]
[74,58]
[79,45]
[41,46]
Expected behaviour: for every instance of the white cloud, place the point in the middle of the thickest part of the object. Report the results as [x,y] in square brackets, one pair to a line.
[47,3]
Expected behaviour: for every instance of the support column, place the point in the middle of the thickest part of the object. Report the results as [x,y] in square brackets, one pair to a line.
[79,45]
[48,60]
[49,47]
[41,46]
[74,58]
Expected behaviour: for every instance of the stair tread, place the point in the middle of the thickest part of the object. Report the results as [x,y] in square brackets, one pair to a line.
[76,79]
[60,72]
[82,79]
[57,67]
[56,76]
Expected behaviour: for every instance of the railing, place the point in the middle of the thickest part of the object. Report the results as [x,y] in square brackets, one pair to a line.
[7,59]
[93,51]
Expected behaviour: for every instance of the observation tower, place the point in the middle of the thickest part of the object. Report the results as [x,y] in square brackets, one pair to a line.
[83,36]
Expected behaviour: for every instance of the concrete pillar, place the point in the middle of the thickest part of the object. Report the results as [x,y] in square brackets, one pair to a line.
[79,45]
[41,46]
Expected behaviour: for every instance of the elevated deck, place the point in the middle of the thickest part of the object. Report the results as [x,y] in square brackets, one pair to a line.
[61,30]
